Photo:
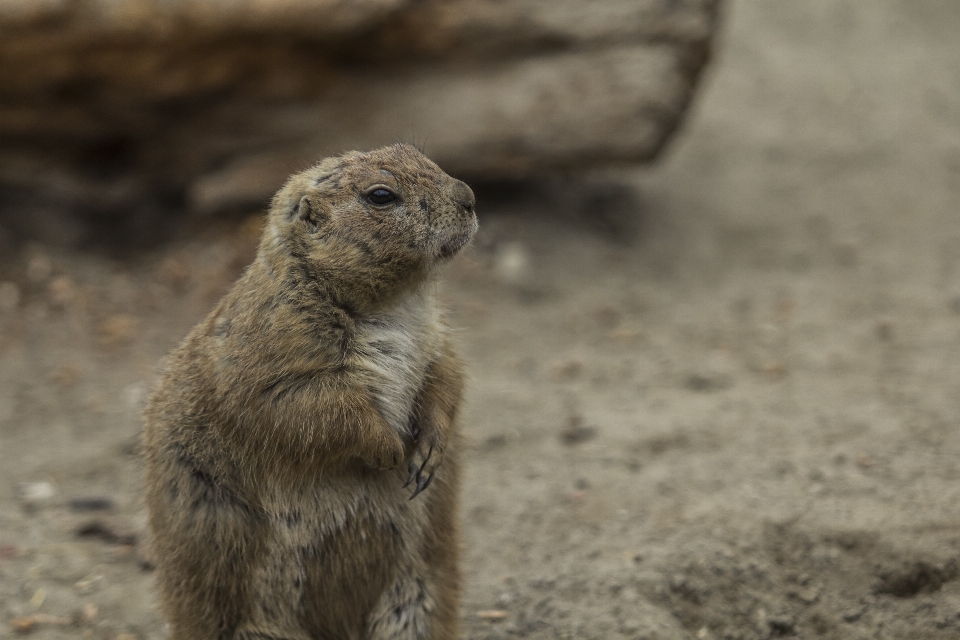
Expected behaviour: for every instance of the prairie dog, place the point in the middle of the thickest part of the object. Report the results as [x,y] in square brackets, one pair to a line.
[301,450]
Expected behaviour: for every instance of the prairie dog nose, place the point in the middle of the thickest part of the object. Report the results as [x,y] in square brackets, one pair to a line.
[463,196]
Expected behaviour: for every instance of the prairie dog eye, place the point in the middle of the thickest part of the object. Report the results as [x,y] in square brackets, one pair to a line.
[381,196]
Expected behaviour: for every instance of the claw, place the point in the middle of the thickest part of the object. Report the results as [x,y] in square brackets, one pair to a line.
[423,484]
[416,470]
[413,475]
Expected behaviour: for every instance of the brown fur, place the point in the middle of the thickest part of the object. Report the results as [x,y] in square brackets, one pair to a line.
[276,440]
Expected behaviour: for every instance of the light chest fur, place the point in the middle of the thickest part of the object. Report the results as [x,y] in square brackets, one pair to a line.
[392,351]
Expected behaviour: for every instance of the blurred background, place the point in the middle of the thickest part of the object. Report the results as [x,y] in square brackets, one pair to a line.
[712,317]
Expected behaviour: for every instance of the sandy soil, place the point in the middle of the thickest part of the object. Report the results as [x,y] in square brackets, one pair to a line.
[716,399]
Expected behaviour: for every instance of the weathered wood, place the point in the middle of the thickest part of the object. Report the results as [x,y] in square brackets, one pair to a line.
[110,106]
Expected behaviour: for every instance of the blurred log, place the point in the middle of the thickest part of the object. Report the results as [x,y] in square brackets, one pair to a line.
[113,108]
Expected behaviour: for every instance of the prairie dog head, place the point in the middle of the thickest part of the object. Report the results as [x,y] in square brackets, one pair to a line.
[377,222]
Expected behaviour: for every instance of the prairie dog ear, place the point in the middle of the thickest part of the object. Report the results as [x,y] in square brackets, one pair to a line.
[313,214]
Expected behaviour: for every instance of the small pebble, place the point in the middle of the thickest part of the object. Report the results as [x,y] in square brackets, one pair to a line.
[715,371]
[809,596]
[630,626]
[146,559]
[39,596]
[23,624]
[92,503]
[34,494]
[852,615]
[492,614]
[697,382]
[122,552]
[632,558]
[108,532]
[576,432]
[90,612]
[781,625]
[567,369]
[89,584]
[26,624]
[8,551]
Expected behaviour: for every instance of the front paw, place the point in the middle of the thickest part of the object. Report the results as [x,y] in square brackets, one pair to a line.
[424,462]
[386,453]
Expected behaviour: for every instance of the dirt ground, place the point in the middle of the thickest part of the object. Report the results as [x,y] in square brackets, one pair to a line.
[713,399]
